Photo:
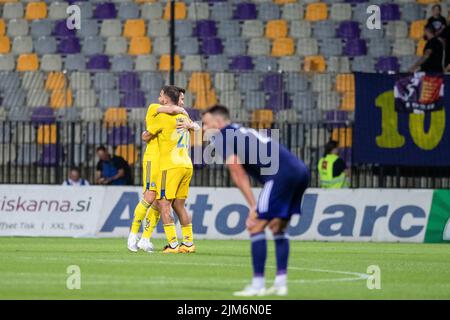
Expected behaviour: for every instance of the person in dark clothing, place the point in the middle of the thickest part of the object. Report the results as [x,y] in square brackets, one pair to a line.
[437,20]
[432,59]
[112,170]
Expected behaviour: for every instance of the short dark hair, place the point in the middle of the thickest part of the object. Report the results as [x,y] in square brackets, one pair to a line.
[74,168]
[332,144]
[172,92]
[181,90]
[101,148]
[220,110]
[437,6]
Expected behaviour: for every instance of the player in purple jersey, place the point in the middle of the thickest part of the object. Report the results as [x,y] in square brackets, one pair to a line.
[247,152]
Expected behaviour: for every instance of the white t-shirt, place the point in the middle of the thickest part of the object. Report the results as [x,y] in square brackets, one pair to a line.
[80,182]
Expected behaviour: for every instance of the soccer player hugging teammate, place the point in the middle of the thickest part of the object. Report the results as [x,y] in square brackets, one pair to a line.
[285,179]
[151,166]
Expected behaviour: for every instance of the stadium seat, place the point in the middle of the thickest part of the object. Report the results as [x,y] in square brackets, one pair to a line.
[94,115]
[307,47]
[292,11]
[254,100]
[268,11]
[396,30]
[146,63]
[111,28]
[193,63]
[47,134]
[224,81]
[328,101]
[404,47]
[316,11]
[115,117]
[211,46]
[283,47]
[151,81]
[134,28]
[252,29]
[248,82]
[221,11]
[184,28]
[86,9]
[120,135]
[151,11]
[128,81]
[322,82]
[228,28]
[199,81]
[343,136]
[340,11]
[348,101]
[300,29]
[128,152]
[116,46]
[58,10]
[13,10]
[258,47]
[9,81]
[164,63]
[161,46]
[2,27]
[276,29]
[32,80]
[128,10]
[37,98]
[98,62]
[245,11]
[198,11]
[69,45]
[205,99]
[104,80]
[265,63]
[180,11]
[420,47]
[345,82]
[17,27]
[262,119]
[390,12]
[93,45]
[140,46]
[284,1]
[158,28]
[27,62]
[235,46]
[416,29]
[44,45]
[85,98]
[80,80]
[15,99]
[105,11]
[217,63]
[5,45]
[314,64]
[36,10]
[55,80]
[109,98]
[241,63]
[61,98]
[290,64]
[187,46]
[133,99]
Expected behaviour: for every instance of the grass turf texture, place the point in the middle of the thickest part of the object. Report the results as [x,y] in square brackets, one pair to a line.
[35,268]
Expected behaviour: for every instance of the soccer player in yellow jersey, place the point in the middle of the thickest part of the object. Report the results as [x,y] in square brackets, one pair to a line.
[176,170]
[150,168]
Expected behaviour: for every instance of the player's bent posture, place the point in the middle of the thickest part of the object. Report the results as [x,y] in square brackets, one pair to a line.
[285,179]
[150,172]
[172,136]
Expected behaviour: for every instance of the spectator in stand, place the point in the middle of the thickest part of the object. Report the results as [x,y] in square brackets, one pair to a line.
[75,179]
[112,170]
[432,59]
[333,172]
[437,20]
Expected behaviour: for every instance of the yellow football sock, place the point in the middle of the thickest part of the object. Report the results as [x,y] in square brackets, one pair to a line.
[188,237]
[171,234]
[139,214]
[152,220]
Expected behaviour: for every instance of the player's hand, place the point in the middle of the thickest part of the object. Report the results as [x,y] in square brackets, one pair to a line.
[146,136]
[184,124]
[252,218]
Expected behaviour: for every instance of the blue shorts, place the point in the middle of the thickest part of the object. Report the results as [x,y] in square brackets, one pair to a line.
[281,197]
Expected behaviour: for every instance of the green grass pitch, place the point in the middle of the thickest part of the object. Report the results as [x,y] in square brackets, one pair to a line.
[36,268]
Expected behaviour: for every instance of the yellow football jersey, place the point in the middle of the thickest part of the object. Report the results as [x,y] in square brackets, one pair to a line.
[152,149]
[173,143]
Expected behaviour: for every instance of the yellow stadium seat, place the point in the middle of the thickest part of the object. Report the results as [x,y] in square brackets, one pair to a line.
[164,63]
[180,11]
[416,29]
[36,10]
[199,81]
[128,152]
[284,1]
[420,46]
[345,82]
[343,136]
[262,119]
[316,11]
[428,1]
[139,46]
[115,117]
[205,99]
[314,64]
[134,28]
[5,44]
[61,98]
[348,101]
[276,29]
[2,27]
[27,62]
[55,80]
[283,47]
[46,134]
[145,1]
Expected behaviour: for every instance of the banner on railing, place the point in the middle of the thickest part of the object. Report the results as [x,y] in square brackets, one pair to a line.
[402,120]
[220,213]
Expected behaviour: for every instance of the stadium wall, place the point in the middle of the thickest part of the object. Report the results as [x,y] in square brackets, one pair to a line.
[379,215]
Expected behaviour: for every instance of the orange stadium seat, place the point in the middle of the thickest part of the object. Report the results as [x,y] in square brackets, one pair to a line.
[5,44]
[36,10]
[2,27]
[55,80]
[343,136]
[128,152]
[262,119]
[276,29]
[348,101]
[145,1]
[164,63]
[180,11]
[115,117]
[314,64]
[199,81]
[134,28]
[28,62]
[420,46]
[61,98]
[416,29]
[46,134]
[283,47]
[345,82]
[205,99]
[316,11]
[139,46]
[428,1]
[284,1]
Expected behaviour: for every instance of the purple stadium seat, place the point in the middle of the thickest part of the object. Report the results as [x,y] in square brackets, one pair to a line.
[240,63]
[211,46]
[44,115]
[128,81]
[348,30]
[50,155]
[386,64]
[390,12]
[355,47]
[69,45]
[205,29]
[60,30]
[194,114]
[133,99]
[245,11]
[336,116]
[278,101]
[105,10]
[120,135]
[99,62]
[272,82]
